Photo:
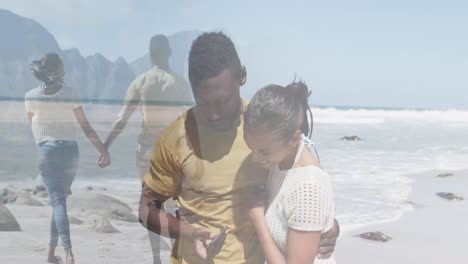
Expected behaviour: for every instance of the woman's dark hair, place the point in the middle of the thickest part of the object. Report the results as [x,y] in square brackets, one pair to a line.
[211,54]
[46,68]
[280,109]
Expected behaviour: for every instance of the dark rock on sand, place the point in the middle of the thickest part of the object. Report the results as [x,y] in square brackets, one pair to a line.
[25,198]
[351,138]
[449,196]
[74,220]
[39,185]
[91,188]
[444,175]
[87,188]
[89,202]
[7,220]
[42,194]
[7,196]
[100,224]
[375,236]
[414,205]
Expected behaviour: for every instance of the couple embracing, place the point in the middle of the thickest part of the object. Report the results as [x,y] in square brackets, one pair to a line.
[245,166]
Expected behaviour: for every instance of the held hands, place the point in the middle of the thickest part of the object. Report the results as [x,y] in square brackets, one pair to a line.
[202,241]
[104,159]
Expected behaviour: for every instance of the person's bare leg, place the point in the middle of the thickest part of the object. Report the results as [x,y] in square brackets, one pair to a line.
[51,258]
[69,259]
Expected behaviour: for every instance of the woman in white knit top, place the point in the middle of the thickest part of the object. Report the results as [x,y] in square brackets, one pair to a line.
[52,110]
[298,194]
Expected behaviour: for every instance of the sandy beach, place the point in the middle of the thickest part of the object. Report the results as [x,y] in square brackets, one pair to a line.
[130,245]
[434,232]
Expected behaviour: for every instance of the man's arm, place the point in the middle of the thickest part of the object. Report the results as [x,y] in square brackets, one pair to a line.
[153,217]
[119,123]
[328,241]
[157,220]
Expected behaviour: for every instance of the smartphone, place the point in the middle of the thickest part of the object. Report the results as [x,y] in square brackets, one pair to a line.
[218,236]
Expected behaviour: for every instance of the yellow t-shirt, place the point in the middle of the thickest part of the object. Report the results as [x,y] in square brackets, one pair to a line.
[210,175]
[155,89]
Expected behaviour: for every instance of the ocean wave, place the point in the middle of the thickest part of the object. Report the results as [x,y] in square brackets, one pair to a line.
[333,115]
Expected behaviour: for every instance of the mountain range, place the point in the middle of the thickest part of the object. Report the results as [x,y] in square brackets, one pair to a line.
[94,77]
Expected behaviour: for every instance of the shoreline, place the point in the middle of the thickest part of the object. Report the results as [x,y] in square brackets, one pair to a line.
[432,232]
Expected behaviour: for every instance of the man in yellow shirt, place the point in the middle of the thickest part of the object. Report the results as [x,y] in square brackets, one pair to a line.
[152,89]
[202,161]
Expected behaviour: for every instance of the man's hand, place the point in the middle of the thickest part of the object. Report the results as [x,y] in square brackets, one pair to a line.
[328,241]
[201,241]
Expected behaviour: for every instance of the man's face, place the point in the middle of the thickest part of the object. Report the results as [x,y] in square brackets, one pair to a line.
[218,100]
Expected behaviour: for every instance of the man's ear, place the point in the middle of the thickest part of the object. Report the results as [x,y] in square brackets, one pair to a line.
[243,75]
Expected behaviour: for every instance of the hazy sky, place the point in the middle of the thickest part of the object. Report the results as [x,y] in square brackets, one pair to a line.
[352,53]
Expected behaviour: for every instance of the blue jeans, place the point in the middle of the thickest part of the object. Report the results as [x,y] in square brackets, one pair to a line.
[57,161]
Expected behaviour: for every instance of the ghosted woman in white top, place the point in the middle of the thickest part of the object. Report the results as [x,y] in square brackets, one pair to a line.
[52,109]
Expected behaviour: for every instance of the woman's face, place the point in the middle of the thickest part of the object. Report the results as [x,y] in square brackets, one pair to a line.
[267,148]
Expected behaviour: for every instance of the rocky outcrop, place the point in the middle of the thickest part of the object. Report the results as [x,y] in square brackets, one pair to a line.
[7,196]
[94,77]
[375,236]
[100,224]
[74,220]
[25,198]
[7,220]
[444,175]
[449,196]
[351,138]
[92,203]
[39,185]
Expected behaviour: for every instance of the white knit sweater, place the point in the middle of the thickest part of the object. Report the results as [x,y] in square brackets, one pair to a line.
[53,117]
[300,199]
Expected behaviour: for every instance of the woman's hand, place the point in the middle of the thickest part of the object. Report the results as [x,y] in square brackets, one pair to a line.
[104,160]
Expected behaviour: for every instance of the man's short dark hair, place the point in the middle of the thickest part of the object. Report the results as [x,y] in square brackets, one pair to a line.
[210,55]
[159,48]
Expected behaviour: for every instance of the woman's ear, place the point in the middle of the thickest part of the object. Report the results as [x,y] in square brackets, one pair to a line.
[243,75]
[296,137]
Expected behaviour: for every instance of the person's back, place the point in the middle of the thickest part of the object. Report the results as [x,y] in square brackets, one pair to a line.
[54,117]
[162,93]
